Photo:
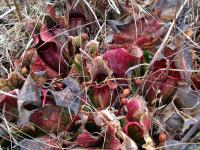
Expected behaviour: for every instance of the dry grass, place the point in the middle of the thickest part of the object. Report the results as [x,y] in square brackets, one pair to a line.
[14,41]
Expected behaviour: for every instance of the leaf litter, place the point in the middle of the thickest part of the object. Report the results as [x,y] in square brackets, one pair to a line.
[103,74]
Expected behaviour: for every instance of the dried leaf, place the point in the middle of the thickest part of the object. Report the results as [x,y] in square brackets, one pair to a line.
[30,95]
[14,81]
[187,101]
[174,144]
[174,124]
[70,96]
[44,143]
[149,144]
[99,70]
[187,98]
[27,57]
[168,9]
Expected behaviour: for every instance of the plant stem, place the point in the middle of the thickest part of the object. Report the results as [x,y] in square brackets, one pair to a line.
[18,10]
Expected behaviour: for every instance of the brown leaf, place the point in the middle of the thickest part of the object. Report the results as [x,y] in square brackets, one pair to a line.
[99,70]
[26,58]
[168,9]
[14,81]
